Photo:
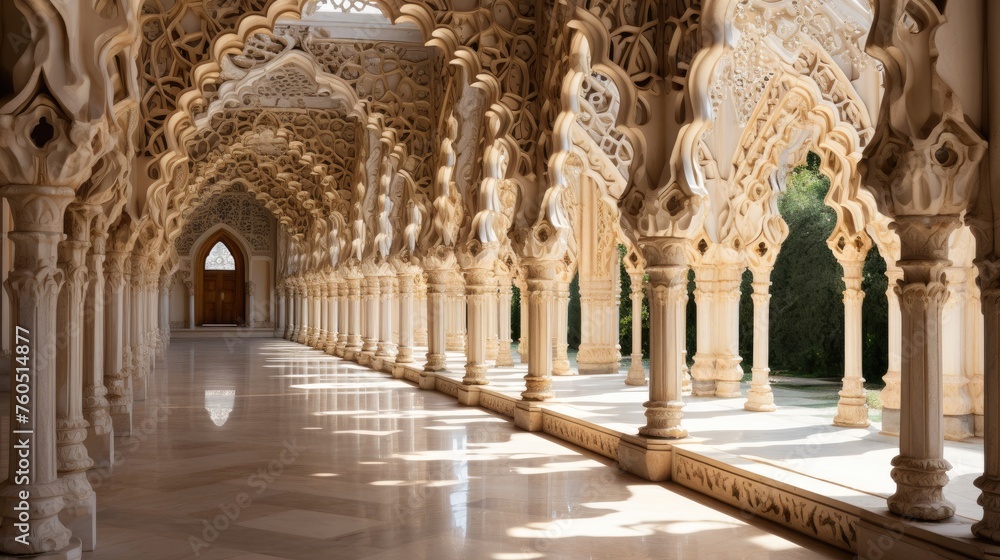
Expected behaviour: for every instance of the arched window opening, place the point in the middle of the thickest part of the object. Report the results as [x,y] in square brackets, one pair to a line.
[220,258]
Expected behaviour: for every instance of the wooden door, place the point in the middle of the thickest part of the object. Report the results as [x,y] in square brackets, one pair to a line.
[221,301]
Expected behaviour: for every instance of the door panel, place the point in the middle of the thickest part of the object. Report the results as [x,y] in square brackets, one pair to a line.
[221,303]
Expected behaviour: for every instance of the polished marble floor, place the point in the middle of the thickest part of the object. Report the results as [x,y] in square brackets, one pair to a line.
[262,449]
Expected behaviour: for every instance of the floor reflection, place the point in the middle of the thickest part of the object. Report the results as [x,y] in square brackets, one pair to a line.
[302,456]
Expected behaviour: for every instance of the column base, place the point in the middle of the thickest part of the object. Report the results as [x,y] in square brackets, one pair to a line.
[636,374]
[468,395]
[79,515]
[376,362]
[728,377]
[536,388]
[663,420]
[852,412]
[919,489]
[435,362]
[703,376]
[73,551]
[475,374]
[365,357]
[405,355]
[646,458]
[760,400]
[561,368]
[528,416]
[350,354]
[989,526]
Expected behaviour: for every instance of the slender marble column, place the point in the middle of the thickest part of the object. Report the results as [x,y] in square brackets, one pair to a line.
[344,317]
[321,310]
[372,293]
[116,373]
[164,312]
[504,357]
[920,468]
[959,421]
[333,316]
[637,371]
[279,325]
[852,409]
[703,370]
[386,347]
[522,346]
[479,285]
[667,316]
[560,361]
[405,354]
[136,312]
[492,325]
[437,307]
[33,286]
[79,512]
[989,482]
[761,398]
[890,394]
[728,368]
[354,343]
[540,294]
[420,311]
[100,440]
[251,305]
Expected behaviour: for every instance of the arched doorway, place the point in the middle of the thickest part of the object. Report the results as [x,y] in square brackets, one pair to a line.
[220,282]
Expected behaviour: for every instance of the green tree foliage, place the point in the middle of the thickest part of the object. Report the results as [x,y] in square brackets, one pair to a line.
[807,312]
[574,327]
[515,314]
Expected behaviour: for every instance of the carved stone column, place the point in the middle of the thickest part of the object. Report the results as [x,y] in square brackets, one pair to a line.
[504,357]
[116,372]
[79,511]
[522,345]
[292,327]
[728,368]
[33,286]
[437,308]
[492,325]
[320,313]
[541,292]
[354,343]
[344,317]
[760,398]
[959,422]
[560,345]
[667,270]
[191,303]
[386,347]
[280,324]
[420,310]
[852,408]
[136,311]
[333,315]
[920,468]
[480,284]
[989,482]
[703,370]
[406,279]
[890,394]
[456,314]
[251,305]
[372,294]
[164,313]
[100,440]
[636,372]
